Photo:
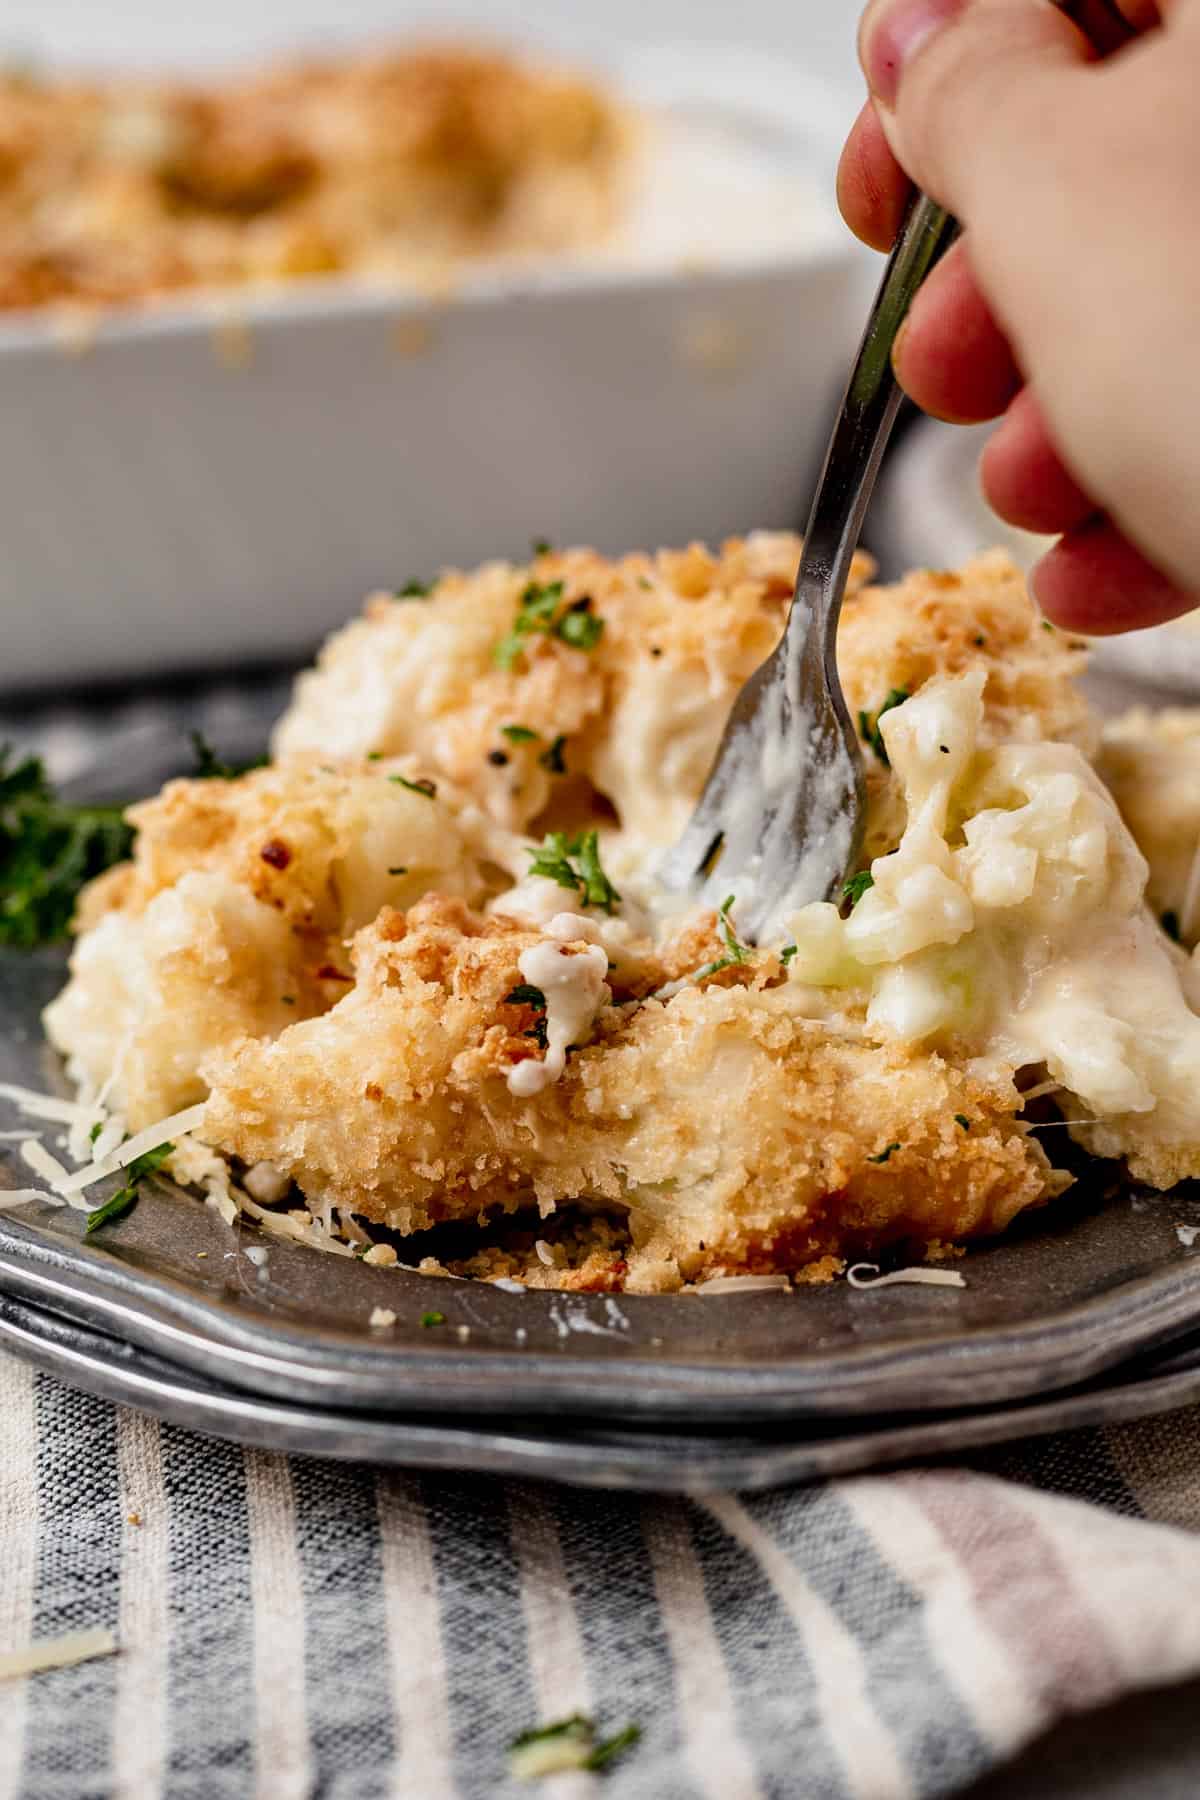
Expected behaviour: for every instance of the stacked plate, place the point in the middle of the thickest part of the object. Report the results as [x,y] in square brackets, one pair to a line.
[1089,1310]
[1091,1314]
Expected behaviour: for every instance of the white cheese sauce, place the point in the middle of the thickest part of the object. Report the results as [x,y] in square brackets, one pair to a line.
[573,980]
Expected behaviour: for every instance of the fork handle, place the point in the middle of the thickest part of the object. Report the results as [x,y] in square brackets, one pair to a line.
[864,424]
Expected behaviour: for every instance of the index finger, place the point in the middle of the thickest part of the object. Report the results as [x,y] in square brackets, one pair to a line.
[872,188]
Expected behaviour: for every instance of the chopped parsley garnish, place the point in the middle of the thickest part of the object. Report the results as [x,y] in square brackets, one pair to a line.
[567,1744]
[210,767]
[141,1166]
[94,1133]
[1170,924]
[735,950]
[574,862]
[429,1319]
[519,734]
[868,727]
[48,851]
[579,626]
[535,613]
[374,755]
[962,1119]
[787,953]
[542,546]
[612,1747]
[413,590]
[854,889]
[424,786]
[552,758]
[525,995]
[539,614]
[884,1153]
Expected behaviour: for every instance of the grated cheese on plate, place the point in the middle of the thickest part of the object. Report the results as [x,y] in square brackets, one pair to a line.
[38,1158]
[57,1653]
[167,1129]
[903,1277]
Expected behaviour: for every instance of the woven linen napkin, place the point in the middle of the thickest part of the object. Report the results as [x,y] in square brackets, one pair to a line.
[291,1628]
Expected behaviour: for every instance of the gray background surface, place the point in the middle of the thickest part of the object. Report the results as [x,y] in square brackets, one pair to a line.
[819,32]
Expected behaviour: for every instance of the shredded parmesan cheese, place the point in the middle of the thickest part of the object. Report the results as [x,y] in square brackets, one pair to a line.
[903,1277]
[742,1284]
[57,1653]
[381,1317]
[42,1163]
[46,1106]
[176,1126]
[10,1197]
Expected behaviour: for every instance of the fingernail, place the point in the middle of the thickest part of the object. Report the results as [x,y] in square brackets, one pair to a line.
[894,38]
[898,347]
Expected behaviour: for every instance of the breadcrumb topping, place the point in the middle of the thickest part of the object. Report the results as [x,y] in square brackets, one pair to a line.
[417,973]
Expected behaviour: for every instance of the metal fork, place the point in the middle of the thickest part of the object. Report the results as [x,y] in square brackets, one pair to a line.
[782,815]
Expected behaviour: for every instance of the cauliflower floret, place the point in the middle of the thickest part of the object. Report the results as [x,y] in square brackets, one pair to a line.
[1010,923]
[232,916]
[1151,762]
[151,995]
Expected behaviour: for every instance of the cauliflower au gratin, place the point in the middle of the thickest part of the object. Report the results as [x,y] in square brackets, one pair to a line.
[418,970]
[388,165]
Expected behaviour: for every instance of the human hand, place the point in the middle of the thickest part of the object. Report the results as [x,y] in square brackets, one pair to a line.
[1070,305]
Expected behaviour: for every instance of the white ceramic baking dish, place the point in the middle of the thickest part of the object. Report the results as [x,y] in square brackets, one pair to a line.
[223,480]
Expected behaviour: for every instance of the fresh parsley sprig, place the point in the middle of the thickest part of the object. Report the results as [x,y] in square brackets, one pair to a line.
[735,950]
[868,727]
[854,889]
[148,1163]
[574,862]
[568,1743]
[49,850]
[426,788]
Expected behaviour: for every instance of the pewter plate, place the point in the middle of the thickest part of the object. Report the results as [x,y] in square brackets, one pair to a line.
[1073,1292]
[590,1456]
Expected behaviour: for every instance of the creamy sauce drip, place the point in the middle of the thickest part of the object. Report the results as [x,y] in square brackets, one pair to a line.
[572,977]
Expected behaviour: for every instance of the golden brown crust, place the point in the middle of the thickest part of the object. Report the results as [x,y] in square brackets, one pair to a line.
[127,190]
[739,1135]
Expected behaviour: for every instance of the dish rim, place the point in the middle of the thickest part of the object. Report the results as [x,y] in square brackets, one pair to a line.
[90,1361]
[927,1372]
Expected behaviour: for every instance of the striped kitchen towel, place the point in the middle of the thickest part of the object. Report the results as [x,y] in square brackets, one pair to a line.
[289,1628]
